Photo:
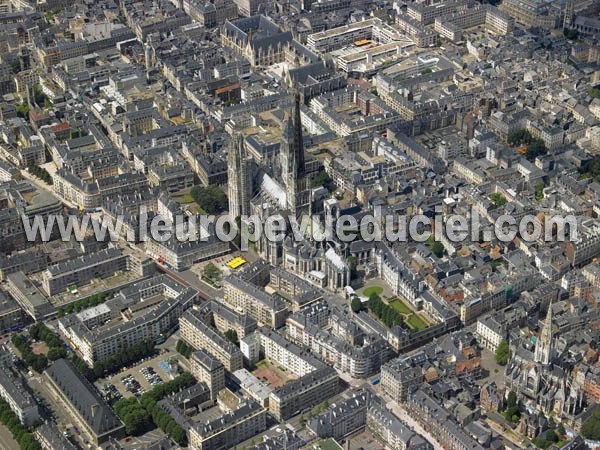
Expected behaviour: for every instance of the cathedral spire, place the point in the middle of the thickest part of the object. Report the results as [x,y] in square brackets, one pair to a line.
[293,169]
[297,143]
[543,346]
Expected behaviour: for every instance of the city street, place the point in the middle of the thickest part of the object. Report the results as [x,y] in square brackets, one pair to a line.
[60,410]
[46,187]
[406,418]
[6,440]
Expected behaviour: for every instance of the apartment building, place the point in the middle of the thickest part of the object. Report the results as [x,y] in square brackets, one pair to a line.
[90,195]
[394,433]
[329,40]
[401,376]
[208,369]
[491,333]
[440,422]
[532,13]
[421,35]
[141,312]
[334,336]
[11,315]
[317,381]
[210,14]
[295,289]
[181,255]
[230,429]
[16,393]
[80,271]
[50,438]
[28,296]
[281,351]
[427,13]
[401,279]
[452,25]
[194,331]
[249,299]
[248,8]
[343,419]
[305,392]
[587,245]
[226,319]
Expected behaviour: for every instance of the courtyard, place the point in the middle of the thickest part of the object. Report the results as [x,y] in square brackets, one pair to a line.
[272,375]
[411,318]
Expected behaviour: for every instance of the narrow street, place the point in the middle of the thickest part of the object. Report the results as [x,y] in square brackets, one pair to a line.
[403,415]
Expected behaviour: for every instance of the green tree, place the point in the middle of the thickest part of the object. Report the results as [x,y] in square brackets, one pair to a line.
[541,443]
[212,272]
[571,34]
[498,199]
[232,336]
[560,430]
[322,179]
[211,199]
[356,305]
[38,95]
[535,148]
[539,191]
[437,248]
[184,349]
[591,168]
[591,427]
[552,436]
[23,111]
[594,92]
[511,400]
[502,353]
[55,353]
[519,137]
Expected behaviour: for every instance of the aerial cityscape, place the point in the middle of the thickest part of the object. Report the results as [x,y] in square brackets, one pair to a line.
[299,224]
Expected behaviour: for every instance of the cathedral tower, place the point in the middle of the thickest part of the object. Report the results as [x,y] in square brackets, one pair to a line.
[239,177]
[543,346]
[293,170]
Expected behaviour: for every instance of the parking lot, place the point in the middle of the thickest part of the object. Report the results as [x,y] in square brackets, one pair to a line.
[140,378]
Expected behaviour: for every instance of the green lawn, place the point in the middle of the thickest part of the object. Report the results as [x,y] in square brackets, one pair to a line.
[262,364]
[416,322]
[399,306]
[186,199]
[373,290]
